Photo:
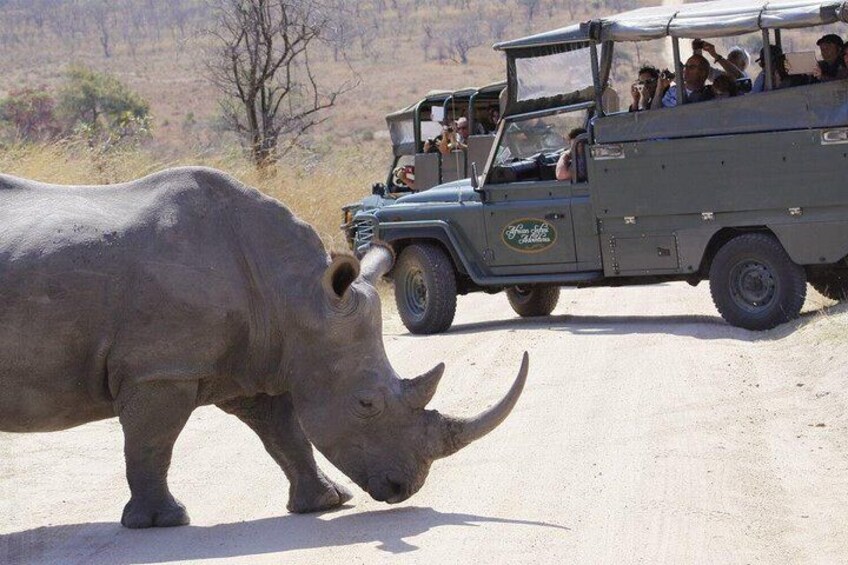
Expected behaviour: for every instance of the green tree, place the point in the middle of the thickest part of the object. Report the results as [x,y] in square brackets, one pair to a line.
[100,106]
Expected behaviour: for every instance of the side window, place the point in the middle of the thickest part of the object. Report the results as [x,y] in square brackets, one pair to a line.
[529,149]
[580,171]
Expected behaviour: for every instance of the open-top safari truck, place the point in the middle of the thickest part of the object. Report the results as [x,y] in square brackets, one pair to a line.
[746,192]
[411,128]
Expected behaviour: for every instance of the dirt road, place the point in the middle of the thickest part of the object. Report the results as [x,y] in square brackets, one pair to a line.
[649,432]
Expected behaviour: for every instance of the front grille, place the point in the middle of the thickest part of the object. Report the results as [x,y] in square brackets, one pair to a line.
[363,234]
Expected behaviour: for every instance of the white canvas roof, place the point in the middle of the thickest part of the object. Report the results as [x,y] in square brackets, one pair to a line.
[698,20]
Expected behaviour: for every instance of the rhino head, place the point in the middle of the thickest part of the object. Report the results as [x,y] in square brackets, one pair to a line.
[370,423]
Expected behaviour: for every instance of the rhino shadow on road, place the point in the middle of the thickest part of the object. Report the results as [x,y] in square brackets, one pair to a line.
[109,543]
[698,326]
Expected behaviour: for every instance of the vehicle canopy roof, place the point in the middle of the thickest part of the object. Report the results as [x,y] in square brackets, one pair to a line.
[403,124]
[535,63]
[718,18]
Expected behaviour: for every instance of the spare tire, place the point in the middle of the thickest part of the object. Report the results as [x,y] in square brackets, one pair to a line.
[532,301]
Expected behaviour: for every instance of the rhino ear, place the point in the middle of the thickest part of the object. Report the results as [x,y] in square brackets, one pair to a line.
[339,275]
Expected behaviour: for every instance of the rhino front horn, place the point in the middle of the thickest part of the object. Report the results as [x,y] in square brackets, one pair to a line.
[456,433]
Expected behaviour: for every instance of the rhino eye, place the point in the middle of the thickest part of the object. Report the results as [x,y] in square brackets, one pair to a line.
[368,403]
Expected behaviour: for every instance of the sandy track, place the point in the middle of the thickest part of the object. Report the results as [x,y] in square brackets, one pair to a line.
[649,432]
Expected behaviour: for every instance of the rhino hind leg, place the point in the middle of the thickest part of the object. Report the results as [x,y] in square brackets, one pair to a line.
[152,415]
[274,420]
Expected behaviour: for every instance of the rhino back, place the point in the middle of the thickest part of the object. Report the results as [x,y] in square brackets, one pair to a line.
[174,276]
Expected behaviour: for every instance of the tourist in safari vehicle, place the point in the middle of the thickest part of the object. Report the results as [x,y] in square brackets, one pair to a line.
[434,141]
[744,189]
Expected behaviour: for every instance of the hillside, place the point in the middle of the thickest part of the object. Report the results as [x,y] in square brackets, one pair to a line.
[399,49]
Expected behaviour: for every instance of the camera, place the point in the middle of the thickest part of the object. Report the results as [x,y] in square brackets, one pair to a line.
[697,44]
[449,129]
[667,74]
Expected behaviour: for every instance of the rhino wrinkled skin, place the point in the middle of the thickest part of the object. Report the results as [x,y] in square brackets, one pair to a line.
[147,299]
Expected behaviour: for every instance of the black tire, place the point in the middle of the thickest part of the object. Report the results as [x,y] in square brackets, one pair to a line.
[425,289]
[832,284]
[531,301]
[754,283]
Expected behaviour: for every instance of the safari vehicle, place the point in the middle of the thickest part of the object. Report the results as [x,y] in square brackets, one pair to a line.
[746,192]
[409,130]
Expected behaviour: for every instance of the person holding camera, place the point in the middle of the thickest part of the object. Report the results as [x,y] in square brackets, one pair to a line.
[733,66]
[644,89]
[441,143]
[696,71]
[452,138]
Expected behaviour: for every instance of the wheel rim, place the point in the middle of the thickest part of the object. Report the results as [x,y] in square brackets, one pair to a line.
[753,285]
[415,292]
[522,291]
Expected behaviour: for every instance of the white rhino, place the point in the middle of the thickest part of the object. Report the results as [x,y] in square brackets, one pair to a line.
[147,299]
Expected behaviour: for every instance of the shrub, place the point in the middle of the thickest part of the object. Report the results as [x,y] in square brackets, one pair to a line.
[102,109]
[31,112]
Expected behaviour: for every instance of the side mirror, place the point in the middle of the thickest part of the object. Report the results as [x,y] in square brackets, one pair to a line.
[475,179]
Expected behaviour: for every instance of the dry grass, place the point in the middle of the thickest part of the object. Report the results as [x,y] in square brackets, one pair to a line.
[314,191]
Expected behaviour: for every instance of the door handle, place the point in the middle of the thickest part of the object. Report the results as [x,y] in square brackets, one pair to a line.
[554,216]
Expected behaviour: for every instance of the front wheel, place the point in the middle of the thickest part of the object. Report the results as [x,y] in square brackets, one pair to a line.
[754,283]
[425,289]
[530,301]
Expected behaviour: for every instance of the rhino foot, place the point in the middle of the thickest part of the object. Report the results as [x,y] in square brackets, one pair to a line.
[328,495]
[164,514]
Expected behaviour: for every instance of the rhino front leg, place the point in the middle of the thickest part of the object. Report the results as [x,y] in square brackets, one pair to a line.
[274,420]
[152,416]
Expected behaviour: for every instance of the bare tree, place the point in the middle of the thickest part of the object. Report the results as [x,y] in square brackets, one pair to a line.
[530,6]
[463,35]
[264,66]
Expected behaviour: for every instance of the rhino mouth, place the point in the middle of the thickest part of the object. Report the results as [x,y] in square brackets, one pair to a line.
[389,488]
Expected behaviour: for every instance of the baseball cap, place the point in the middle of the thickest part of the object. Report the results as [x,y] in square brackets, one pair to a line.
[831,38]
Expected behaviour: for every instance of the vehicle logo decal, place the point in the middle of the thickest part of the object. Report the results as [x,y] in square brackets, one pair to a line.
[529,235]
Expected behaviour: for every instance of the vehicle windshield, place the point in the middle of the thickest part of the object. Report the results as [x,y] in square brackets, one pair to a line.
[530,138]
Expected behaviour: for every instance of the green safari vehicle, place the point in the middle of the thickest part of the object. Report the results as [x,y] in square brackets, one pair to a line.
[745,192]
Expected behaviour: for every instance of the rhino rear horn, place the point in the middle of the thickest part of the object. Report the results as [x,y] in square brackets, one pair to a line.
[339,275]
[419,391]
[377,262]
[456,433]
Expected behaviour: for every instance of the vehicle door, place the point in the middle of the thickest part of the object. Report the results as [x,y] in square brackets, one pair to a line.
[527,211]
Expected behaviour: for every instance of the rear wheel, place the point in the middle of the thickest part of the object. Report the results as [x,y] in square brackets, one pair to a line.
[754,283]
[425,289]
[832,284]
[530,301]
